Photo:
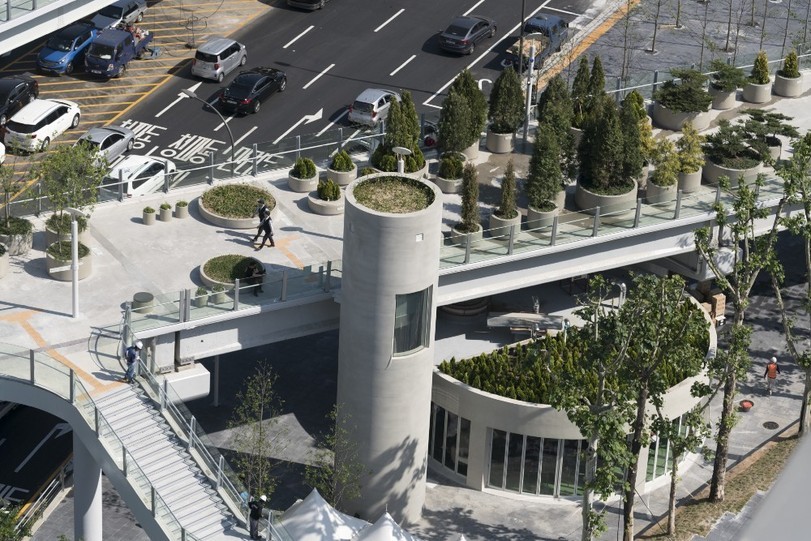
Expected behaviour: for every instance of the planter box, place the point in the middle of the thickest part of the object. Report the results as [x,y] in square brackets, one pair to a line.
[166,214]
[4,265]
[672,120]
[65,274]
[723,100]
[52,236]
[181,212]
[588,201]
[660,194]
[500,227]
[325,208]
[539,219]
[18,244]
[449,185]
[218,297]
[757,93]
[459,238]
[342,178]
[500,143]
[149,218]
[712,171]
[231,223]
[471,152]
[689,182]
[788,87]
[201,301]
[302,185]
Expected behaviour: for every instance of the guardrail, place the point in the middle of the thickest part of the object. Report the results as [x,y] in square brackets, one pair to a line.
[47,495]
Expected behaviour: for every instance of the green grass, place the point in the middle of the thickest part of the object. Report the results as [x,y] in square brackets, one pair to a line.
[62,251]
[16,226]
[395,195]
[227,268]
[236,200]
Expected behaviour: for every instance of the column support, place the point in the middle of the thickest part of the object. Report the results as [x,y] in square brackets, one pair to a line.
[87,511]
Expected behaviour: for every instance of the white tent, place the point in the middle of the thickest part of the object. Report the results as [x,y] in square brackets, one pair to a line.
[313,519]
[385,529]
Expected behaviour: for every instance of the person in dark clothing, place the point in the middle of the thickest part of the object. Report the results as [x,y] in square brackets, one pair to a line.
[255,507]
[265,224]
[133,357]
[254,275]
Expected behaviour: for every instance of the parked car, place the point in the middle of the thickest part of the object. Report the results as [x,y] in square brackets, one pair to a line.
[311,5]
[38,123]
[120,13]
[250,88]
[65,49]
[371,106]
[546,34]
[109,141]
[138,175]
[112,50]
[218,57]
[15,92]
[465,32]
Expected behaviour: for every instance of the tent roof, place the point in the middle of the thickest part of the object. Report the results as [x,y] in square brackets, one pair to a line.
[385,529]
[313,519]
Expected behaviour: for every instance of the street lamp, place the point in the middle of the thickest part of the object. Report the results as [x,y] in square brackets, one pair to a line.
[74,255]
[521,40]
[532,37]
[192,95]
[401,152]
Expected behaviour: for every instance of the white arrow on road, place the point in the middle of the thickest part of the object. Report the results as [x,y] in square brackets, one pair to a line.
[306,119]
[180,96]
[60,429]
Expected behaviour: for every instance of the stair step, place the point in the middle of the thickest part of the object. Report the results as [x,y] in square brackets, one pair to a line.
[168,467]
[155,435]
[123,416]
[182,487]
[202,507]
[162,457]
[208,526]
[114,396]
[198,492]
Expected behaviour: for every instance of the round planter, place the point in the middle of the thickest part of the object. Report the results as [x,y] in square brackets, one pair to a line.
[201,301]
[588,201]
[689,182]
[143,302]
[231,223]
[449,185]
[673,120]
[500,227]
[712,171]
[52,236]
[788,87]
[746,405]
[343,178]
[500,143]
[302,185]
[181,212]
[166,214]
[149,218]
[18,244]
[422,173]
[66,274]
[540,219]
[471,152]
[757,93]
[459,238]
[775,148]
[660,194]
[217,297]
[325,208]
[560,199]
[723,100]
[211,283]
[4,261]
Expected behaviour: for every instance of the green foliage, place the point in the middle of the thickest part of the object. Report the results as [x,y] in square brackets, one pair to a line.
[396,195]
[454,123]
[580,93]
[182,203]
[507,209]
[2,249]
[402,130]
[596,81]
[303,168]
[70,176]
[200,291]
[762,128]
[545,178]
[555,110]
[634,155]
[470,200]
[760,70]
[60,223]
[636,102]
[729,147]
[16,226]
[685,92]
[328,190]
[236,200]
[166,206]
[726,77]
[8,525]
[61,250]
[342,162]
[367,171]
[227,268]
[667,164]
[451,165]
[149,210]
[10,187]
[219,288]
[690,151]
[600,154]
[466,85]
[506,103]
[791,66]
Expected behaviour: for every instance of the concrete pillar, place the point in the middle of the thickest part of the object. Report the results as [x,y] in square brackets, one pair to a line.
[86,494]
[384,398]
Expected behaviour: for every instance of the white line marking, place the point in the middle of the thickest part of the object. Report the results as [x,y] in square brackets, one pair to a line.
[390,19]
[572,13]
[238,141]
[466,13]
[331,124]
[180,96]
[292,41]
[306,119]
[221,125]
[153,149]
[317,77]
[413,56]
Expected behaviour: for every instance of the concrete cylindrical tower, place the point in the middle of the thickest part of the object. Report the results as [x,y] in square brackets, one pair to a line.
[389,279]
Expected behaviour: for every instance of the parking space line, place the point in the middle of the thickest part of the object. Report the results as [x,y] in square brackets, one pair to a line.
[317,77]
[572,13]
[292,41]
[221,124]
[413,56]
[477,4]
[390,19]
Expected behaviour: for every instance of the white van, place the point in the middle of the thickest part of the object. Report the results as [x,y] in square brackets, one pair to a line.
[34,126]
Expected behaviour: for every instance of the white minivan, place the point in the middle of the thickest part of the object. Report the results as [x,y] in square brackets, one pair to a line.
[138,175]
[218,57]
[34,126]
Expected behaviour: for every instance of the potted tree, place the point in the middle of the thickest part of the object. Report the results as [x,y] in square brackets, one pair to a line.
[58,227]
[637,138]
[580,99]
[402,130]
[181,209]
[788,81]
[218,295]
[729,154]
[449,175]
[342,170]
[506,217]
[681,99]
[4,264]
[165,212]
[555,109]
[327,200]
[725,81]
[58,256]
[303,176]
[764,128]
[758,88]
[466,85]
[506,112]
[200,297]
[545,179]
[691,158]
[15,233]
[470,228]
[148,216]
[663,181]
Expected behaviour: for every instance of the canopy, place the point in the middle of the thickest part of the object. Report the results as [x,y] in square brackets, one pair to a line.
[385,529]
[313,519]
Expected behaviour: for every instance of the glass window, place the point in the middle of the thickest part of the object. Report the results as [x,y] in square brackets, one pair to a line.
[411,321]
[464,443]
[515,459]
[450,441]
[532,457]
[438,432]
[568,473]
[651,460]
[581,470]
[549,466]
[497,450]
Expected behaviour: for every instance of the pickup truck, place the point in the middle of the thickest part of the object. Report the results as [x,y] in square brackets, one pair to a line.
[113,49]
[547,33]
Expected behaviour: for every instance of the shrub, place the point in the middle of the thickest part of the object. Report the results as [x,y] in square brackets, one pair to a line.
[580,93]
[469,89]
[791,66]
[328,190]
[545,178]
[60,223]
[451,165]
[303,168]
[470,201]
[219,288]
[149,210]
[182,203]
[760,70]
[402,130]
[691,155]
[342,162]
[201,291]
[601,156]
[729,147]
[455,120]
[165,206]
[667,164]
[61,250]
[726,77]
[507,208]
[395,195]
[367,171]
[506,103]
[236,200]
[684,93]
[227,268]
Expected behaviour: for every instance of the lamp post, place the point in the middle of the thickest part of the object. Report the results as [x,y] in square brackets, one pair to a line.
[401,153]
[74,255]
[531,63]
[521,40]
[192,95]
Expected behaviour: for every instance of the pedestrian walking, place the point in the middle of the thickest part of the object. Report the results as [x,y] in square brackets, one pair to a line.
[133,357]
[265,225]
[254,275]
[772,369]
[256,507]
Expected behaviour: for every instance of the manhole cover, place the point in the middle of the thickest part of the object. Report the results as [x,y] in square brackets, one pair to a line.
[771,425]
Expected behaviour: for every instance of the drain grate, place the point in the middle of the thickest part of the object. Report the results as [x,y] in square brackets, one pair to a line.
[771,425]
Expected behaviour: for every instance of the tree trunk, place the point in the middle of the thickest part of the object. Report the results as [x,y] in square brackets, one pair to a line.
[588,492]
[719,468]
[671,504]
[633,466]
[804,417]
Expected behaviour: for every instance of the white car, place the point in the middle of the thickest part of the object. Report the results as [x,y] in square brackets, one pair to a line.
[34,126]
[138,175]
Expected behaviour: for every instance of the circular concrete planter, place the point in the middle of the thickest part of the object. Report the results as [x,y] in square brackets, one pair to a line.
[230,223]
[52,236]
[66,274]
[325,208]
[143,302]
[689,182]
[540,219]
[673,120]
[754,93]
[472,152]
[788,87]
[343,178]
[712,172]
[448,185]
[148,218]
[723,100]
[18,244]
[588,201]
[422,173]
[500,143]
[660,194]
[500,227]
[165,214]
[4,260]
[181,211]
[302,185]
[459,238]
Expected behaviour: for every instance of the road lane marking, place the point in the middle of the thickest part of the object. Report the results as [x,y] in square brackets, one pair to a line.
[306,119]
[292,41]
[220,125]
[317,77]
[331,124]
[390,19]
[413,56]
[180,96]
[572,13]
[477,4]
[60,429]
[247,133]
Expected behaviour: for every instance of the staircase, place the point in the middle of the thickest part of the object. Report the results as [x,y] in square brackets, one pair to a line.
[162,458]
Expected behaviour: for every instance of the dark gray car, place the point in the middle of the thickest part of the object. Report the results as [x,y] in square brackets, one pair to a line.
[465,32]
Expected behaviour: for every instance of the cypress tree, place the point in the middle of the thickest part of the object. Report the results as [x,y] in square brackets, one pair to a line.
[466,85]
[455,119]
[600,151]
[580,93]
[633,156]
[470,200]
[506,103]
[545,178]
[507,208]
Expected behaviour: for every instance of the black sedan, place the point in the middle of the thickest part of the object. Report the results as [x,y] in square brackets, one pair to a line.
[464,33]
[246,93]
[16,91]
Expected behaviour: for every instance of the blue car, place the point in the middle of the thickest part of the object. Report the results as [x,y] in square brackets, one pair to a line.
[65,49]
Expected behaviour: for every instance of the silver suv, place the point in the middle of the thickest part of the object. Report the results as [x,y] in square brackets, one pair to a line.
[372,106]
[118,13]
[218,57]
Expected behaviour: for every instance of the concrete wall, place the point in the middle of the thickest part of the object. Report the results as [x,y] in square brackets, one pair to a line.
[384,398]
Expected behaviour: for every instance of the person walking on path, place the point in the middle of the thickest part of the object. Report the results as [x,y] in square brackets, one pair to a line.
[265,225]
[255,507]
[772,369]
[133,357]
